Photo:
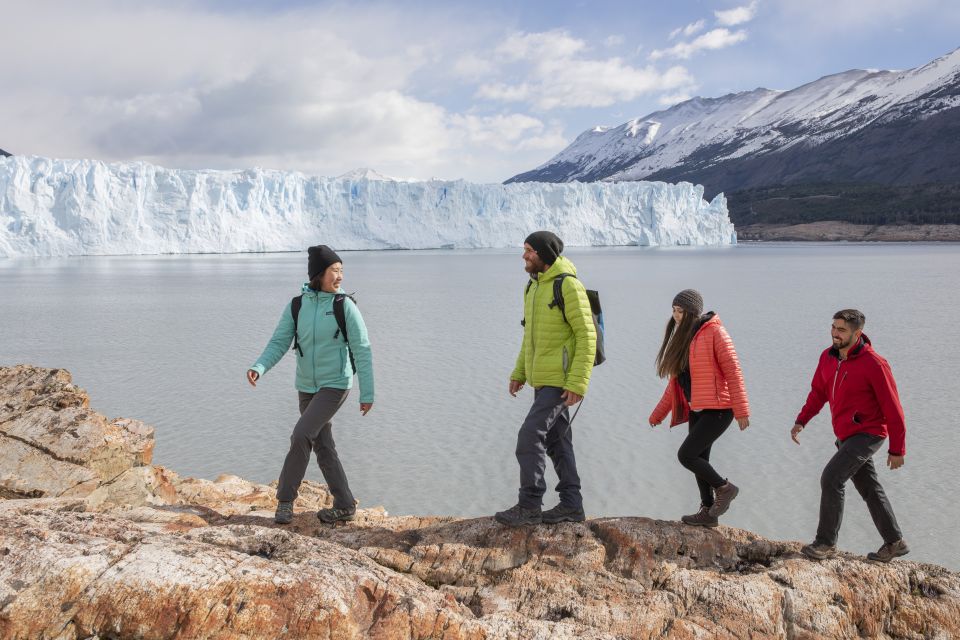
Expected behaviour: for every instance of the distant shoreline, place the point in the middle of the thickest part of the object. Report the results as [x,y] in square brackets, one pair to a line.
[833,231]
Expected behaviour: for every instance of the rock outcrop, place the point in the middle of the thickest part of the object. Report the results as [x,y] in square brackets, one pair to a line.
[119,548]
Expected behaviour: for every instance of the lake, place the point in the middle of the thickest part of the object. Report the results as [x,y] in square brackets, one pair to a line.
[168,339]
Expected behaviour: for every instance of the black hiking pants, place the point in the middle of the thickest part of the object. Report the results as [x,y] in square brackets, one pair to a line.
[694,454]
[854,460]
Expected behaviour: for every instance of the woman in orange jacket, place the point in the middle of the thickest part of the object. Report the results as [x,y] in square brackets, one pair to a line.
[706,389]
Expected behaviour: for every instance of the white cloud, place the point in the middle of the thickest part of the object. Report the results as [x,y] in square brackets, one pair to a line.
[317,90]
[689,30]
[614,41]
[559,75]
[715,39]
[737,15]
[668,100]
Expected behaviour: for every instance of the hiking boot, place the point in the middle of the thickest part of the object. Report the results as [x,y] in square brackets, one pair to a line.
[889,551]
[701,518]
[818,550]
[724,496]
[333,514]
[517,515]
[561,513]
[284,514]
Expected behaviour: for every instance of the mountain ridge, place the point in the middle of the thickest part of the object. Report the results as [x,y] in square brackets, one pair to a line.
[883,127]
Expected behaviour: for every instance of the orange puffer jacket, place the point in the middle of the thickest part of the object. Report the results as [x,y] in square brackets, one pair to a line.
[716,379]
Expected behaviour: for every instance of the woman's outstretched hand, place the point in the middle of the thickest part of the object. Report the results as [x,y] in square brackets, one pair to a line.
[744,422]
[252,377]
[365,407]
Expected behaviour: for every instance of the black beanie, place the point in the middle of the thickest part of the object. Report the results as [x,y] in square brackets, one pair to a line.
[319,258]
[690,301]
[547,245]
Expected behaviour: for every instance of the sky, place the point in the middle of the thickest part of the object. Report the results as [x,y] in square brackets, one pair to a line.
[473,90]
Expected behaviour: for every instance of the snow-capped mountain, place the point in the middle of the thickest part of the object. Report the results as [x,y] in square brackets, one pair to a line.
[889,127]
[84,207]
[4,154]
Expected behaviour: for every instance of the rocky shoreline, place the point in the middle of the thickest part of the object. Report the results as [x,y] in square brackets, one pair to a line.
[832,231]
[96,542]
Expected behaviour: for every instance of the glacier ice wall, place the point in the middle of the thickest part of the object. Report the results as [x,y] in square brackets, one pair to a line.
[85,207]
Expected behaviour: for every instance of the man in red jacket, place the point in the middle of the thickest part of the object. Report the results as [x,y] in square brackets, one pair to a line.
[865,409]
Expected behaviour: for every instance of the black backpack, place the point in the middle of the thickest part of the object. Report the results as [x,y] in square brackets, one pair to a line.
[596,312]
[338,314]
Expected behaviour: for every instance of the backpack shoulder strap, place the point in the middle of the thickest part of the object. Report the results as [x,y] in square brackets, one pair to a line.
[558,293]
[340,314]
[295,305]
[523,322]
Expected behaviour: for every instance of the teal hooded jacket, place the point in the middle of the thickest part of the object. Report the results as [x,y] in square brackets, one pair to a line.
[325,361]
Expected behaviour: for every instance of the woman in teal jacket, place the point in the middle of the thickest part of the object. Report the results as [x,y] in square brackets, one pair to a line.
[325,368]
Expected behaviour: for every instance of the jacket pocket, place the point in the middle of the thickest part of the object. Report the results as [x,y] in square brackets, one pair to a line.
[566,359]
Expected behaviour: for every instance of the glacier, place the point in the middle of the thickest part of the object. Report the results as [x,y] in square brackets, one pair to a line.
[53,207]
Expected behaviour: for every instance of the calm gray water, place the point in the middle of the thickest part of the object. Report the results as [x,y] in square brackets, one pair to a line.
[168,340]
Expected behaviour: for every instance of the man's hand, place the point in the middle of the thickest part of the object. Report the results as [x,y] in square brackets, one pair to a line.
[743,422]
[570,398]
[797,428]
[653,424]
[515,386]
[252,377]
[894,462]
[365,407]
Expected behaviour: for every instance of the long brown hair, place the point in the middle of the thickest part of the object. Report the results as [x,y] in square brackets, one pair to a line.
[674,355]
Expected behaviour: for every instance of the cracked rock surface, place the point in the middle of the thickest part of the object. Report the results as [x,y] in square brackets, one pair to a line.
[97,543]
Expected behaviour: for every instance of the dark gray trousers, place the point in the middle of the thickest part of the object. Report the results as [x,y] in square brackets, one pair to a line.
[314,432]
[547,432]
[854,460]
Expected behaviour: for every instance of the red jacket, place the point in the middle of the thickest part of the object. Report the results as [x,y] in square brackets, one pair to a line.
[862,395]
[715,376]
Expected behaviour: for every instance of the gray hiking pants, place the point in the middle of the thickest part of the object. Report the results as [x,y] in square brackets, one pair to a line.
[314,432]
[547,432]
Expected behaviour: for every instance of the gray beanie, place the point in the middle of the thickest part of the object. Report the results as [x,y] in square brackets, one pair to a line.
[690,301]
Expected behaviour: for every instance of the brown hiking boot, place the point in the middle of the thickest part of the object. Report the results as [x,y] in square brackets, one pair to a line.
[819,551]
[889,551]
[724,496]
[701,518]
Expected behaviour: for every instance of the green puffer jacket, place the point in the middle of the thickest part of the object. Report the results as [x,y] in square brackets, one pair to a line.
[325,361]
[557,353]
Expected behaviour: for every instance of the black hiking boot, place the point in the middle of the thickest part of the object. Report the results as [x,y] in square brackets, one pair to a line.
[819,550]
[724,496]
[333,514]
[561,513]
[284,514]
[701,518]
[889,551]
[517,515]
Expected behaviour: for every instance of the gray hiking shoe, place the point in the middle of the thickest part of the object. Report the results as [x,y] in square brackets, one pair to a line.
[724,496]
[517,515]
[333,514]
[284,514]
[561,513]
[818,550]
[701,518]
[889,551]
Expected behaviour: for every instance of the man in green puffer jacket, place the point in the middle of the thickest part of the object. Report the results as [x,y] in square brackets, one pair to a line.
[556,358]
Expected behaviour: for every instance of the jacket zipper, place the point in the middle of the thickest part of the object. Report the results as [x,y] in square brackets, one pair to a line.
[533,307]
[316,309]
[836,385]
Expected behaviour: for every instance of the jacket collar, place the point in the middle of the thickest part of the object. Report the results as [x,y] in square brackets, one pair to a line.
[858,349]
[319,295]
